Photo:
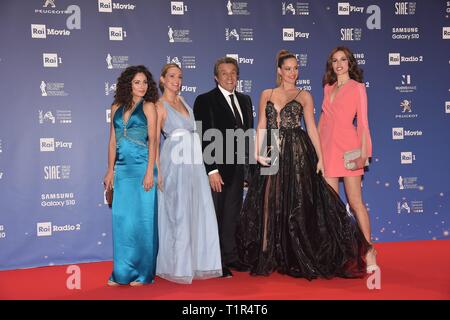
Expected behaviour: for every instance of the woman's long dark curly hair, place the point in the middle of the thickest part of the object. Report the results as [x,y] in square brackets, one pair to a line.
[354,71]
[123,96]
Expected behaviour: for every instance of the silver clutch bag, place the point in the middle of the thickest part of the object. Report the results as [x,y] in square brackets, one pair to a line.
[352,155]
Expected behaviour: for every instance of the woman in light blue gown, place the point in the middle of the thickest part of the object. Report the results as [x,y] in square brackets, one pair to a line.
[131,172]
[187,225]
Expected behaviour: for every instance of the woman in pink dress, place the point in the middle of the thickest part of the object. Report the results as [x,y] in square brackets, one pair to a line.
[344,99]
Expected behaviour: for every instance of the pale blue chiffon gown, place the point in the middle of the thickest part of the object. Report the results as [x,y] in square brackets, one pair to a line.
[187,225]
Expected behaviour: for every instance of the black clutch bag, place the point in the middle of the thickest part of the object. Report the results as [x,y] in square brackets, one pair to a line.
[109,197]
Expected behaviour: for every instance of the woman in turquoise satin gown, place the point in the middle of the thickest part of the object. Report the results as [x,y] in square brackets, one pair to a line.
[132,172]
[189,245]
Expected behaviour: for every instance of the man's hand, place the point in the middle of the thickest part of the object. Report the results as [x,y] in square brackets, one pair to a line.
[216,182]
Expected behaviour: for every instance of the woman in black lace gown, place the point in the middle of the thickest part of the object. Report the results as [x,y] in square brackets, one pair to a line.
[292,221]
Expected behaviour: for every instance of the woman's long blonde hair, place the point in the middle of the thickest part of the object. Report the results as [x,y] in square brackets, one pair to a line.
[164,70]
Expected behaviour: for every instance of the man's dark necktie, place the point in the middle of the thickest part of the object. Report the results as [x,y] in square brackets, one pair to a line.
[237,116]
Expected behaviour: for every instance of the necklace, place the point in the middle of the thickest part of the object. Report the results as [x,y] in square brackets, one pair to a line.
[339,85]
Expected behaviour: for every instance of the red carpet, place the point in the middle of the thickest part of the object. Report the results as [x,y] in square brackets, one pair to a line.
[409,270]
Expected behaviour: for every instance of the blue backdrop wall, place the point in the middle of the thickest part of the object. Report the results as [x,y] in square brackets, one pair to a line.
[59,61]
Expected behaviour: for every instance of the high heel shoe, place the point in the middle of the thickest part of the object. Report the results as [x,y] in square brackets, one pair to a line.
[112,283]
[136,284]
[371,264]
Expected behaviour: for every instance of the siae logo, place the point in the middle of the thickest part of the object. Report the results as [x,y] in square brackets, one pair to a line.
[51,60]
[56,172]
[351,34]
[404,8]
[178,8]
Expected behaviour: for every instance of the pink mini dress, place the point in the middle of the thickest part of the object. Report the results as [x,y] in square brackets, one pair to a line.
[338,133]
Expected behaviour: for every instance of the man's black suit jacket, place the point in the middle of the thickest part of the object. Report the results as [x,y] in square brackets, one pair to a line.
[213,110]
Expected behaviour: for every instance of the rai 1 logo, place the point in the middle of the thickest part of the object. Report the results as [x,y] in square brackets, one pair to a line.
[178,8]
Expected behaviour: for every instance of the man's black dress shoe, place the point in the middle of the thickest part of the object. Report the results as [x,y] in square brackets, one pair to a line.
[226,273]
[238,266]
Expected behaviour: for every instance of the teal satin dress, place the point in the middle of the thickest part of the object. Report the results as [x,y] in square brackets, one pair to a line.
[134,211]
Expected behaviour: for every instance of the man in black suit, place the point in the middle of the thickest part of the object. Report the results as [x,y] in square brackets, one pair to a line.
[223,108]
